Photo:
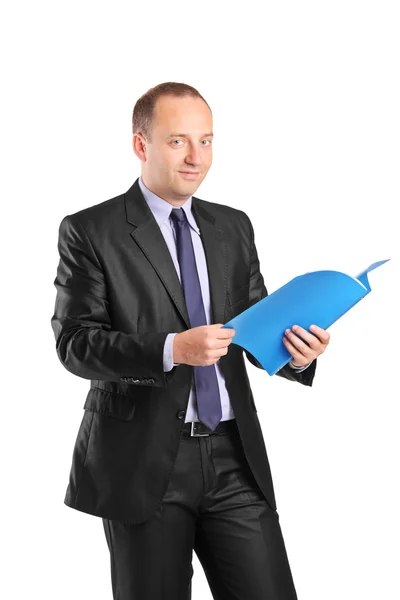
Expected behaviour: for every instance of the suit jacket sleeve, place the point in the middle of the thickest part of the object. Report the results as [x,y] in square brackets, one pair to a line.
[257,292]
[86,344]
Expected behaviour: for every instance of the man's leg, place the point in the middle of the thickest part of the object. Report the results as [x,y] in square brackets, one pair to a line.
[153,560]
[238,538]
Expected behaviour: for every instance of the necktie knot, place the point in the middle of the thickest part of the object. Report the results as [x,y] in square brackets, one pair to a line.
[178,215]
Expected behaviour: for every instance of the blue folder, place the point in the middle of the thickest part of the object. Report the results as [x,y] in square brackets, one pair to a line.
[319,297]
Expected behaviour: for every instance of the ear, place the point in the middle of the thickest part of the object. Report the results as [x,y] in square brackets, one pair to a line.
[139,146]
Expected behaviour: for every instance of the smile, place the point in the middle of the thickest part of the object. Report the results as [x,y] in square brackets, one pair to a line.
[189,175]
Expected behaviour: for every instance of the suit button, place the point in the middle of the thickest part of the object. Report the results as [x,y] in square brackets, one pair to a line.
[181,414]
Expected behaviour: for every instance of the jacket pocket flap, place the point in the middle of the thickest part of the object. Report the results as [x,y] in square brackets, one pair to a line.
[110,404]
[241,293]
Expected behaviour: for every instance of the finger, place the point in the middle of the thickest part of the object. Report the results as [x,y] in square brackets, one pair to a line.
[300,345]
[223,339]
[323,335]
[226,332]
[296,354]
[221,344]
[312,340]
[230,333]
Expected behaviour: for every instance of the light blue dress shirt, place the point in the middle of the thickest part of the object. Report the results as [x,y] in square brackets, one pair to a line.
[161,211]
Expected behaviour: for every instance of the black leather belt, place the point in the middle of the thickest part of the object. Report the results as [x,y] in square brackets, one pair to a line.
[197,429]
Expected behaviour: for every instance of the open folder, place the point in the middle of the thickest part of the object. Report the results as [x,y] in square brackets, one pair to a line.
[319,298]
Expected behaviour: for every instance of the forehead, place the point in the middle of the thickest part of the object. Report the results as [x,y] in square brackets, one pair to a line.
[182,114]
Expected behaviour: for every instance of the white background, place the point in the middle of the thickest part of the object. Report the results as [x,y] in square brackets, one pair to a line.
[305,98]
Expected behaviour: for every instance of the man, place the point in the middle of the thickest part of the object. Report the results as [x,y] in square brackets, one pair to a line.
[170,452]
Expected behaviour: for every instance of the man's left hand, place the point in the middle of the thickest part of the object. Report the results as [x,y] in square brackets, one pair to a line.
[305,346]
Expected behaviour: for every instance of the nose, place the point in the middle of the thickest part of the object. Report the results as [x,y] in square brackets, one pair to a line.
[193,155]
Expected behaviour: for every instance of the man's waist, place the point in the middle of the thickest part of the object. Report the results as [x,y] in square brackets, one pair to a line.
[198,429]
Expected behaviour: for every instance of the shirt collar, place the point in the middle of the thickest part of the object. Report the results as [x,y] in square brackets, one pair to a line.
[161,209]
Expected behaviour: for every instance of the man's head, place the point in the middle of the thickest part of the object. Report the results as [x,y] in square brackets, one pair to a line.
[172,135]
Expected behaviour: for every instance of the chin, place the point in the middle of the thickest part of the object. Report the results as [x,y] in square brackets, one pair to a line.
[189,185]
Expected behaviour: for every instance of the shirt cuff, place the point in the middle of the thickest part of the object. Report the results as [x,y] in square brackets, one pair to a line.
[299,369]
[168,358]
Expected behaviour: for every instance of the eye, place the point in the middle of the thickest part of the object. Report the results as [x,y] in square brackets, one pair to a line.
[173,142]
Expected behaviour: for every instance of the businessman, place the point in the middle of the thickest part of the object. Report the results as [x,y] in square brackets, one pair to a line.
[170,452]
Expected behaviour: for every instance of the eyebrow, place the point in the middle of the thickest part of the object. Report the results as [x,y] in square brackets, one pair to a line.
[210,134]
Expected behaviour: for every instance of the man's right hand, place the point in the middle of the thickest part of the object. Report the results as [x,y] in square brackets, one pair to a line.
[202,346]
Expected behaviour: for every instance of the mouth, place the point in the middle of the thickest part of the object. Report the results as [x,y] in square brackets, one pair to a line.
[189,174]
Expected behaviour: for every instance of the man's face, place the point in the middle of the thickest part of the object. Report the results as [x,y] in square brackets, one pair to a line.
[181,144]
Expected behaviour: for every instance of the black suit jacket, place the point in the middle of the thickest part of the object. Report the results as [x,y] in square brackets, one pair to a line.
[118,296]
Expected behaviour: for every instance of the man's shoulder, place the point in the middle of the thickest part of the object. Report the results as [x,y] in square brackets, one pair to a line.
[103,220]
[105,214]
[106,211]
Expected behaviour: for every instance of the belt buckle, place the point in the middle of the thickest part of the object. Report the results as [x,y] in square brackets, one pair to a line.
[193,434]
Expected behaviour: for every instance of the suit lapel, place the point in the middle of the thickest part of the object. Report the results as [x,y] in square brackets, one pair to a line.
[148,236]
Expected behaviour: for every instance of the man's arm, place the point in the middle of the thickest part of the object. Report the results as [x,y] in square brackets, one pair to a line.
[86,344]
[258,291]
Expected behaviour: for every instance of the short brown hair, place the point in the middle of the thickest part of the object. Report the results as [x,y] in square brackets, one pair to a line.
[143,110]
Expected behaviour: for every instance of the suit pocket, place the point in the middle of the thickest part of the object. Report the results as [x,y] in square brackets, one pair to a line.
[110,404]
[239,295]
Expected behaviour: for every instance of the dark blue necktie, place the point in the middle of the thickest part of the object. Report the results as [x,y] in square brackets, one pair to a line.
[205,378]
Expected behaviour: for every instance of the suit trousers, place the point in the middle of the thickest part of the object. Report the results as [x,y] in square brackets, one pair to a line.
[212,505]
